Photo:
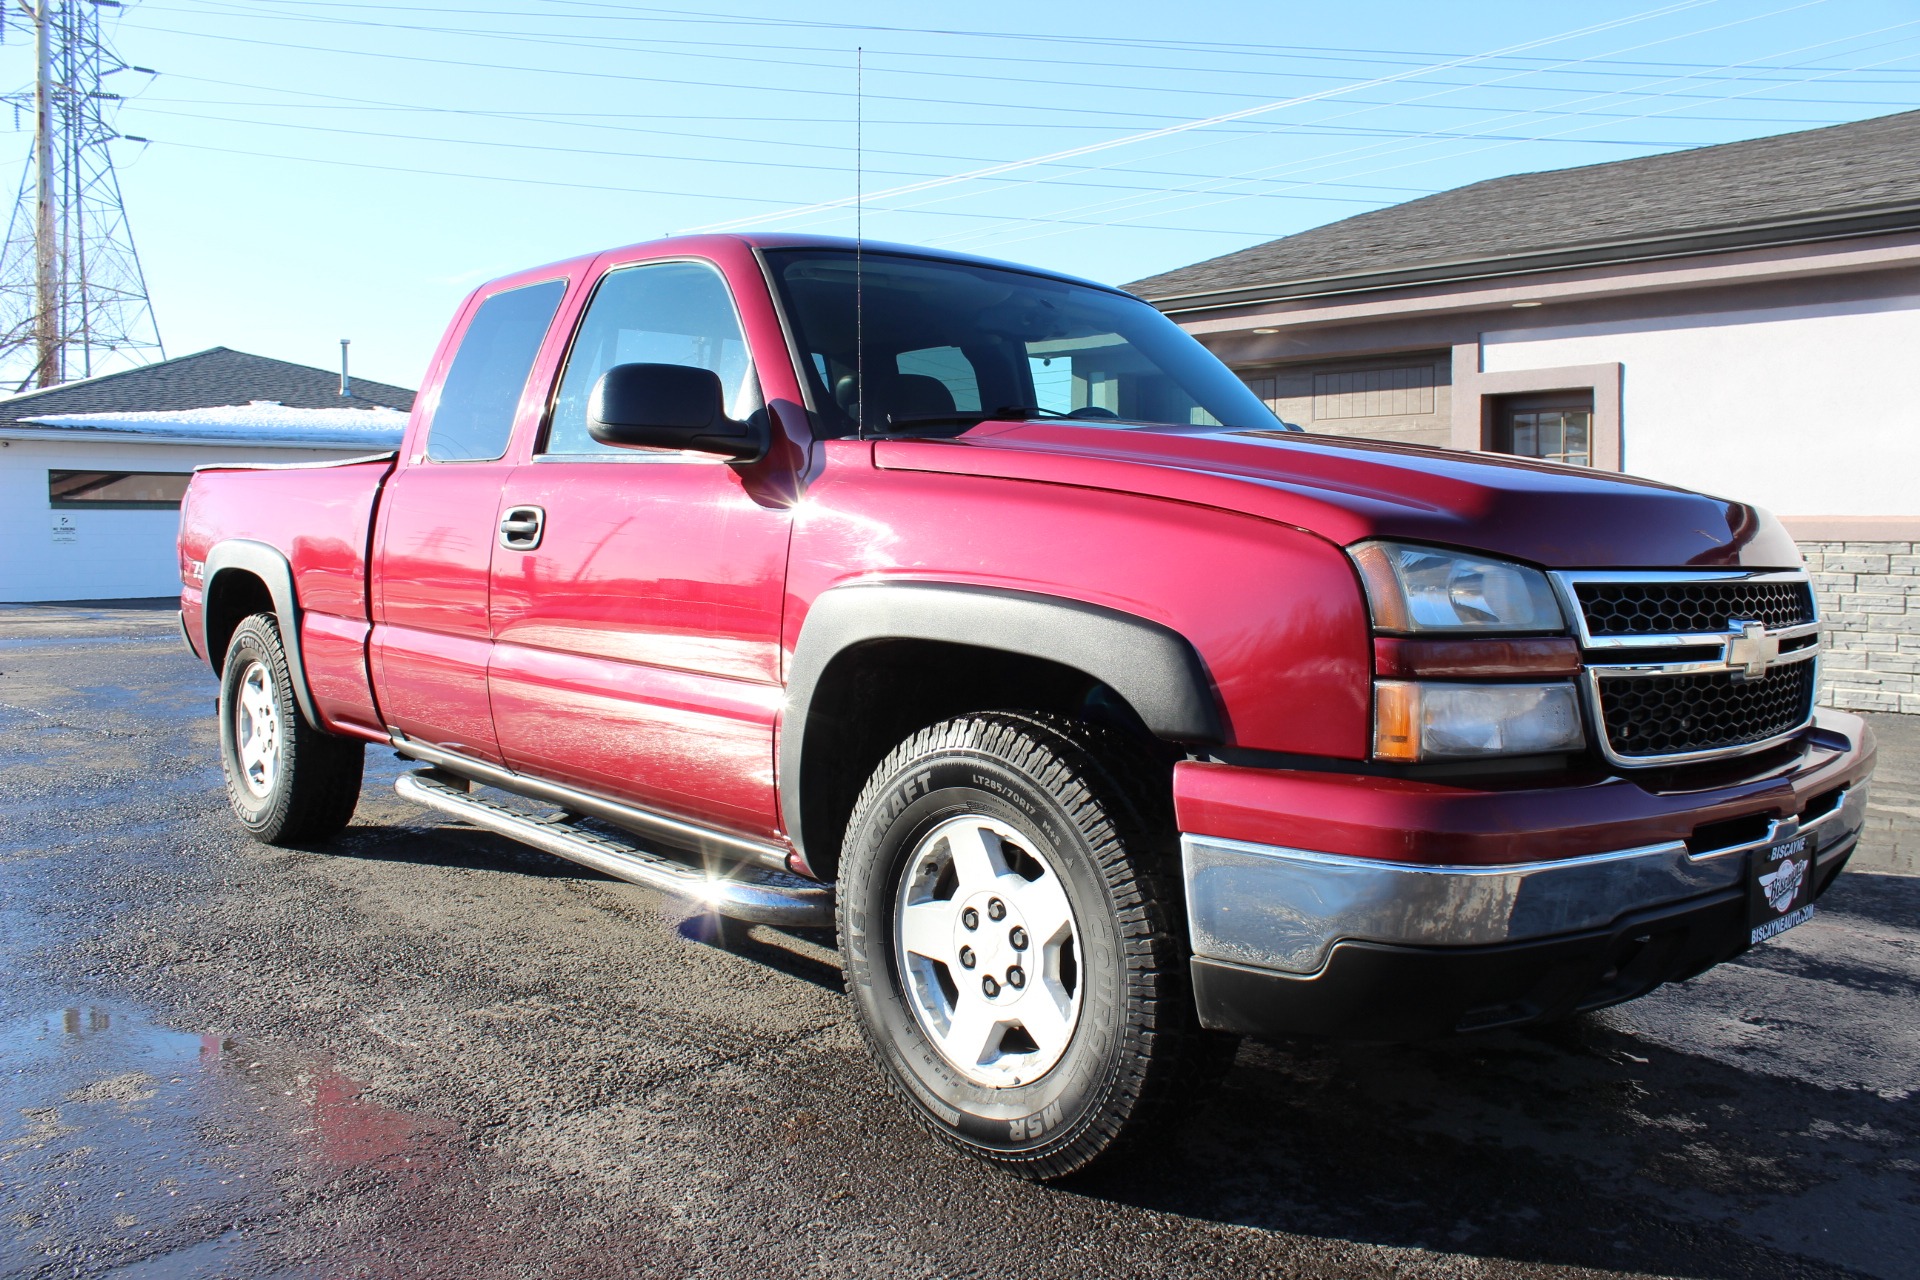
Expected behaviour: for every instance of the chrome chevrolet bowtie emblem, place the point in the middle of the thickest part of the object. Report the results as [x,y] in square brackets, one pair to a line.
[1751,651]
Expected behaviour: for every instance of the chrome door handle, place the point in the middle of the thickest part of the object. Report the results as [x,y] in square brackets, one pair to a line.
[520,528]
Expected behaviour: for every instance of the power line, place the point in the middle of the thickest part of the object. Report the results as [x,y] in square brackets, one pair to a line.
[1139,116]
[586,119]
[1110,206]
[1052,172]
[1208,121]
[732,54]
[597,42]
[588,186]
[548,148]
[1821,45]
[648,14]
[1443,92]
[1289,130]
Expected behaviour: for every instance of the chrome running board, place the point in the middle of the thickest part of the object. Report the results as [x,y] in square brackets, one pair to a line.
[755,894]
[680,834]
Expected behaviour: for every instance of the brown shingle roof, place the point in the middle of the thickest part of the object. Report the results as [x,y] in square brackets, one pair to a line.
[1758,191]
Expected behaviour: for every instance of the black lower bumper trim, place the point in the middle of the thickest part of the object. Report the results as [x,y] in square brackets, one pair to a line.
[1380,992]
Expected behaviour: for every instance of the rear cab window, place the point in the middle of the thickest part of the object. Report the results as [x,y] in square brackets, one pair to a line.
[474,418]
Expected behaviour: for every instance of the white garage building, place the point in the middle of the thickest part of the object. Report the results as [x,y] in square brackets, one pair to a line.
[93,471]
[1740,319]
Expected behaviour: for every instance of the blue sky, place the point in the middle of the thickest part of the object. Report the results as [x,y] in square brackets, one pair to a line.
[320,169]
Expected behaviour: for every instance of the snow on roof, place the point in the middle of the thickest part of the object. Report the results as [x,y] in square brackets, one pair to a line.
[261,422]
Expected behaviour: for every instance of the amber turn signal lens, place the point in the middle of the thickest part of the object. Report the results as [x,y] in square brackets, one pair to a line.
[1429,720]
[1396,715]
[1385,598]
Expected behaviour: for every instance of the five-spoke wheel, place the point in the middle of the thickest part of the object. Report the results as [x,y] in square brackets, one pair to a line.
[986,940]
[256,729]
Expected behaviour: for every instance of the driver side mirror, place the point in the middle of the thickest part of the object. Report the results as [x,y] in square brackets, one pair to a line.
[669,406]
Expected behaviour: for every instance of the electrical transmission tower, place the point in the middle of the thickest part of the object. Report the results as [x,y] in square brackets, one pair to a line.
[73,299]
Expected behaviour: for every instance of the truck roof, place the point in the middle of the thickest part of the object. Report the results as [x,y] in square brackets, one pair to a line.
[797,240]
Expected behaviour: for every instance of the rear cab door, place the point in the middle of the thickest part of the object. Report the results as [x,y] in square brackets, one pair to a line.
[637,640]
[439,518]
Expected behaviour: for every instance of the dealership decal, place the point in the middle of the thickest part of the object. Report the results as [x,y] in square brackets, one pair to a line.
[1773,928]
[1783,884]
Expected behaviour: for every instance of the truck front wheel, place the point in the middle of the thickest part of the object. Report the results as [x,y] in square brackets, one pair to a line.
[1010,925]
[287,782]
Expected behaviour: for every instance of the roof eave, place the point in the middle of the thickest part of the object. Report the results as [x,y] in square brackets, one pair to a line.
[1806,230]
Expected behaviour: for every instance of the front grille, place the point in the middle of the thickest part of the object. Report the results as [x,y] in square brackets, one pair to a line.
[1647,716]
[1684,608]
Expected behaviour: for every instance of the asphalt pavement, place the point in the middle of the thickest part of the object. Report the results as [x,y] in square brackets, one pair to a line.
[424,1051]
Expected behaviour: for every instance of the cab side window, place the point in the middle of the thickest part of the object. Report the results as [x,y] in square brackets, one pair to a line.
[654,313]
[475,415]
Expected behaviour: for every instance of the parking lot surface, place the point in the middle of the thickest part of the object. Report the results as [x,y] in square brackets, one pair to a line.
[425,1051]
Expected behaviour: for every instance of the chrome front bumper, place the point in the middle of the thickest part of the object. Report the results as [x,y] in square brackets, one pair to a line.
[1271,907]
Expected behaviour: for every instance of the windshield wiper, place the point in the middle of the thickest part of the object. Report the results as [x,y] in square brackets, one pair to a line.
[974,417]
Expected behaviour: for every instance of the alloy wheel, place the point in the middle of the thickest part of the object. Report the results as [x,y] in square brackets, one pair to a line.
[988,951]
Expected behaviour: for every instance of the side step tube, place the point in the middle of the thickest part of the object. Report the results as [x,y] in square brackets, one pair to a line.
[757,895]
[657,826]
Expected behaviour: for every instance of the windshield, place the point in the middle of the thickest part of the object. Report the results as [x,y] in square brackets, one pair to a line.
[948,344]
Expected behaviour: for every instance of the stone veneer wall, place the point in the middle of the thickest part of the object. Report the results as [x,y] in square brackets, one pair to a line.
[1869,594]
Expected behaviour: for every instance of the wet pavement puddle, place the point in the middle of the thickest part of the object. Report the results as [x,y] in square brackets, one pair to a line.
[142,1152]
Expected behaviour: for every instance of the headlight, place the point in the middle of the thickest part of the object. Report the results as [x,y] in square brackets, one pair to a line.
[1417,721]
[1427,589]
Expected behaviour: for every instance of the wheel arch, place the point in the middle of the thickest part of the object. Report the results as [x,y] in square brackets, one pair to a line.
[241,575]
[1049,652]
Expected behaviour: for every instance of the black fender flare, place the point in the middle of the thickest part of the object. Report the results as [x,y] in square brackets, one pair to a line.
[1155,668]
[266,563]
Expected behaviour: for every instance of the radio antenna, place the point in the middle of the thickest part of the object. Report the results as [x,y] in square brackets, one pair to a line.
[859,244]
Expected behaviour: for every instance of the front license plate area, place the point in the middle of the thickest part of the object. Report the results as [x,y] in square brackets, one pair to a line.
[1779,888]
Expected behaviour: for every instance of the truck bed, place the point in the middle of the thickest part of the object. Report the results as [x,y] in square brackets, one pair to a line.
[318,517]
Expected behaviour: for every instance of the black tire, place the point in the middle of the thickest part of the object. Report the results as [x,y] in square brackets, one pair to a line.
[1097,808]
[310,792]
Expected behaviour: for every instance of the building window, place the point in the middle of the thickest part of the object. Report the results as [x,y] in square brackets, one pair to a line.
[121,490]
[1554,427]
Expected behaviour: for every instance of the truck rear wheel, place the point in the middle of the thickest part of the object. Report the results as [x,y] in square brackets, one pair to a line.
[1011,929]
[287,782]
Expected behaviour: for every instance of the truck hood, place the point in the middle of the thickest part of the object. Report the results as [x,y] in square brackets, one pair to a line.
[1349,490]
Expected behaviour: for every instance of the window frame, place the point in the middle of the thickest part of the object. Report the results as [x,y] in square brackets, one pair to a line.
[111,504]
[538,449]
[1475,394]
[1580,399]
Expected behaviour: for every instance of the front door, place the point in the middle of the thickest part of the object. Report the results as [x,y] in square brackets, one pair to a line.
[637,639]
[439,527]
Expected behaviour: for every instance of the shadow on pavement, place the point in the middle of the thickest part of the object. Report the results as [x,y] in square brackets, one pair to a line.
[1579,1144]
[781,950]
[452,846]
[1875,897]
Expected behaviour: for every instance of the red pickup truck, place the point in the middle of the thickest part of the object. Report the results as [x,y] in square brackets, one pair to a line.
[982,614]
